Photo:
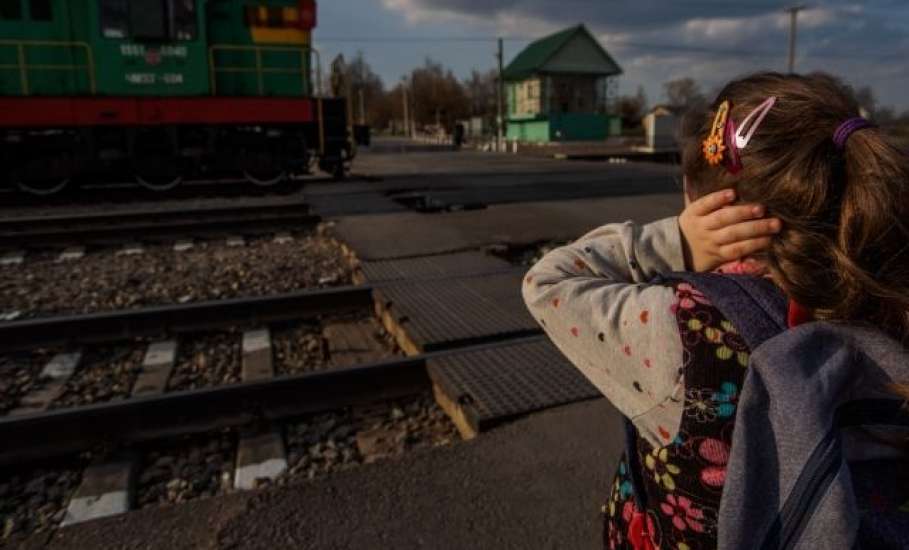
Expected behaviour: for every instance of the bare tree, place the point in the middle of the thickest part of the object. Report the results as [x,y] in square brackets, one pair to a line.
[684,94]
[632,108]
[437,96]
[363,80]
[481,91]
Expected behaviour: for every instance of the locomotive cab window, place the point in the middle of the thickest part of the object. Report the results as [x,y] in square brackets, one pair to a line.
[184,16]
[148,19]
[114,18]
[10,10]
[40,10]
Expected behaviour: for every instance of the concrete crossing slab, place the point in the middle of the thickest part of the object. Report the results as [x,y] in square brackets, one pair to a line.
[442,314]
[483,388]
[438,266]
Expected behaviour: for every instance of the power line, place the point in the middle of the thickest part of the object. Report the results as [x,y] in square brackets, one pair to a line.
[679,48]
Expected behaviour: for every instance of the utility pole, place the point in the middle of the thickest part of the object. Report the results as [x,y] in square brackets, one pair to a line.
[793,18]
[500,98]
[406,112]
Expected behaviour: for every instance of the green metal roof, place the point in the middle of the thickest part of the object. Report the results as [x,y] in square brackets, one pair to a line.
[532,58]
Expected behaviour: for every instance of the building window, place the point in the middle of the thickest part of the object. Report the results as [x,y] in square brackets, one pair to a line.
[185,19]
[114,18]
[40,10]
[10,9]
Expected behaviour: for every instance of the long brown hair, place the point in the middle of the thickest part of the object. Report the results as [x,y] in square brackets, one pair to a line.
[844,248]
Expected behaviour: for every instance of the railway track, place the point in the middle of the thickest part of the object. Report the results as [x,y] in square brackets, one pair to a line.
[40,231]
[259,412]
[199,316]
[136,420]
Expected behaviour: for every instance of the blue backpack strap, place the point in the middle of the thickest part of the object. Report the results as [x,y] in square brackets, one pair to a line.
[756,308]
[754,305]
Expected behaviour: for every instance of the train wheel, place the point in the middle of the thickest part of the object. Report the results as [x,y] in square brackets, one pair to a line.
[264,179]
[158,184]
[43,188]
[157,173]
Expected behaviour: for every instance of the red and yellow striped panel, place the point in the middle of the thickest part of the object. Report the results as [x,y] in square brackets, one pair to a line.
[272,25]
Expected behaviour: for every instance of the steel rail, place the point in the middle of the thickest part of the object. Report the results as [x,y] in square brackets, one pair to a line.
[142,420]
[151,321]
[18,232]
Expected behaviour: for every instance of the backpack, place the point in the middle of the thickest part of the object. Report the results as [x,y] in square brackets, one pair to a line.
[804,470]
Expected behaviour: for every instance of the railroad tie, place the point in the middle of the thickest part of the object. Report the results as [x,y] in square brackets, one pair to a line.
[353,343]
[131,249]
[55,374]
[260,454]
[13,257]
[156,368]
[283,238]
[183,245]
[71,253]
[106,490]
[236,240]
[10,315]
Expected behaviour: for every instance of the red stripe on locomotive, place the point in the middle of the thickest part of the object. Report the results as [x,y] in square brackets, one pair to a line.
[45,112]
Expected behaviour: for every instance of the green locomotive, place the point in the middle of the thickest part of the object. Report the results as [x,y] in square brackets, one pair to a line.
[163,90]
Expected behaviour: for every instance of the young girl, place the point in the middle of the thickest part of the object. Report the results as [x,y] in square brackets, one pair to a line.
[782,177]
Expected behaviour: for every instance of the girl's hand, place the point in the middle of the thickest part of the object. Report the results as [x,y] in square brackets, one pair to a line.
[715,232]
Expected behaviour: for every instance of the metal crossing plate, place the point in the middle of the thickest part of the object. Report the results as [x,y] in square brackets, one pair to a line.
[441,314]
[458,264]
[480,389]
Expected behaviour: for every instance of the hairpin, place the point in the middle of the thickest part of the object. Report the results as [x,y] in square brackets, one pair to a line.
[713,146]
[760,111]
[733,160]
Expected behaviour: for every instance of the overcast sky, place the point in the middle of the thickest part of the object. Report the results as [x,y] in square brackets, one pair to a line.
[867,43]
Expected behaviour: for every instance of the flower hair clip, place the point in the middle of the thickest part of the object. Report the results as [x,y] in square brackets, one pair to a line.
[713,146]
[725,138]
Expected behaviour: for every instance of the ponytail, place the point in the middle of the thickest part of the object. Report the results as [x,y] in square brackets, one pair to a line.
[871,251]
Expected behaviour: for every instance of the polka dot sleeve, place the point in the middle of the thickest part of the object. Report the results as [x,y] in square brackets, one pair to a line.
[593,299]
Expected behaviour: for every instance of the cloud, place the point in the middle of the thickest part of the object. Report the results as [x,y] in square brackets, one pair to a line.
[710,40]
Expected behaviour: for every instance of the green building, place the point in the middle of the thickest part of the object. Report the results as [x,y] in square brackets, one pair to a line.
[558,89]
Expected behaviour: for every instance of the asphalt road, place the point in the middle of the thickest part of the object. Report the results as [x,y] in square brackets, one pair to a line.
[536,483]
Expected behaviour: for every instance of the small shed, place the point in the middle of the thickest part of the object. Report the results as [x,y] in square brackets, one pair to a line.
[558,89]
[661,126]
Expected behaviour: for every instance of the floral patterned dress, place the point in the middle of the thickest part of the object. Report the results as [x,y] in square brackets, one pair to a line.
[684,479]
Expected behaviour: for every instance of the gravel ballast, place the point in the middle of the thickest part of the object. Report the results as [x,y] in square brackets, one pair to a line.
[341,440]
[207,360]
[192,468]
[299,349]
[20,374]
[105,374]
[35,500]
[307,347]
[211,270]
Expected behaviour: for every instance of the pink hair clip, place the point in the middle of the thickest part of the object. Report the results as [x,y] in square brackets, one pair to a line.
[737,139]
[760,111]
